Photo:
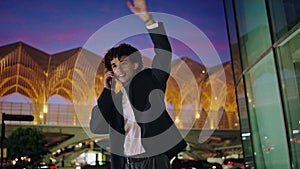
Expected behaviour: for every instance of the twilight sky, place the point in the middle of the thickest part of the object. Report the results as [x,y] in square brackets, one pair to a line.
[57,25]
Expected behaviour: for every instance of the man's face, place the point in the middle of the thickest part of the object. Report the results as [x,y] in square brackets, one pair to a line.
[124,70]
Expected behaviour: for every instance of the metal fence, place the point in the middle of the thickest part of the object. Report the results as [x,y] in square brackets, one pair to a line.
[65,115]
[58,114]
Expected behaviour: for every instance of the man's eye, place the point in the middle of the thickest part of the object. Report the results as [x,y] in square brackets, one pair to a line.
[124,63]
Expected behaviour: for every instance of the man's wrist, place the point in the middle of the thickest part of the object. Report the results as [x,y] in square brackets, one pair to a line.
[149,20]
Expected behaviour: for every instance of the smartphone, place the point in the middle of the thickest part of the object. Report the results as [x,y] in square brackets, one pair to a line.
[111,82]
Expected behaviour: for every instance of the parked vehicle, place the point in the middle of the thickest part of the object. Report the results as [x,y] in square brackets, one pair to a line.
[45,166]
[103,165]
[17,166]
[193,164]
[233,163]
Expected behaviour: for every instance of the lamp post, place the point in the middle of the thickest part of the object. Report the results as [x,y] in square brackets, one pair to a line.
[2,138]
[11,117]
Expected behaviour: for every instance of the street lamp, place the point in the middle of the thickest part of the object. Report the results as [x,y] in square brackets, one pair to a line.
[11,117]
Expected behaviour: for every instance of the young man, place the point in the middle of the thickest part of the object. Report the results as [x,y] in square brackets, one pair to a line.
[142,134]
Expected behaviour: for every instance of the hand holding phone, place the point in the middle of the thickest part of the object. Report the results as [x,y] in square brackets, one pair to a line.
[109,80]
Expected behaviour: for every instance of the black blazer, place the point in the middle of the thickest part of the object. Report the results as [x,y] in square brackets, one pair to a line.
[146,93]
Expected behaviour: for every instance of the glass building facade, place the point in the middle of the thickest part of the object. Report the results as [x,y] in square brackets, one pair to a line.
[264,40]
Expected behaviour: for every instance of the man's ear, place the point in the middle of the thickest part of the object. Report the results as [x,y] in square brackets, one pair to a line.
[135,65]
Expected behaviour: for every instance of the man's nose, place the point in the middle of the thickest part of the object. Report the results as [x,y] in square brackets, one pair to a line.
[118,69]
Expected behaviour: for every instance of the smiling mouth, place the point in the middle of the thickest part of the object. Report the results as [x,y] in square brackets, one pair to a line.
[121,75]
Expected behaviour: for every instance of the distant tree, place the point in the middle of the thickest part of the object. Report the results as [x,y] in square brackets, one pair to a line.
[27,142]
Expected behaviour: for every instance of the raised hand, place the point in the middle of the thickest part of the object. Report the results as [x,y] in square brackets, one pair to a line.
[139,8]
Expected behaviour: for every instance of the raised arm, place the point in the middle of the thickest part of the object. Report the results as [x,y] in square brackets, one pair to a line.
[163,52]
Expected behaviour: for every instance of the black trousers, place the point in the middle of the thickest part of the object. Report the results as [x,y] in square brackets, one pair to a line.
[156,162]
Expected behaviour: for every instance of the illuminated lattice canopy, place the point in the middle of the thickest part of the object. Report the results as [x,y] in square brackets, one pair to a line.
[76,75]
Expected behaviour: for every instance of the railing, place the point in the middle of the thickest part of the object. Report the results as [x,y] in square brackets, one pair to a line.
[62,114]
[58,114]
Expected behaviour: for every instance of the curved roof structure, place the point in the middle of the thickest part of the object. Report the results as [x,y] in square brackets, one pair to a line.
[76,75]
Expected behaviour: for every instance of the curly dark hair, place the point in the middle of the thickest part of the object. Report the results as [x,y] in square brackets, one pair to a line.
[123,50]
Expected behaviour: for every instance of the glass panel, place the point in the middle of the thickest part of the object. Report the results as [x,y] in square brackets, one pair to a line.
[289,66]
[285,14]
[245,127]
[266,117]
[232,33]
[253,29]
